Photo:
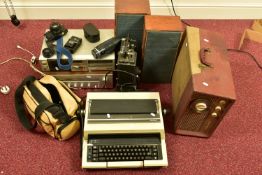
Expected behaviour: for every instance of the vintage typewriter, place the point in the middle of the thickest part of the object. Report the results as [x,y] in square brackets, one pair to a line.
[123,130]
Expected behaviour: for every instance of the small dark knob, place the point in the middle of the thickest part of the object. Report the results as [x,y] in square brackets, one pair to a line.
[14,20]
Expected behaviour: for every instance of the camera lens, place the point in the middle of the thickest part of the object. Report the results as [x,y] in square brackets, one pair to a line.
[96,53]
[47,52]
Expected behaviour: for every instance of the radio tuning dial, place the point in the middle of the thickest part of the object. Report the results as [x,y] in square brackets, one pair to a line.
[200,106]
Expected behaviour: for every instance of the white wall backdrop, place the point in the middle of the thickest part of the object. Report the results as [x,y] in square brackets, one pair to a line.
[104,9]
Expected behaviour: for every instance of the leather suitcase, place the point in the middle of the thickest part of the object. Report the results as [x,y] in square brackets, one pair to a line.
[202,83]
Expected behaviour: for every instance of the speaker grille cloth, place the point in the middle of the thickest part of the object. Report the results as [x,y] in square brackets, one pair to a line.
[192,121]
[159,56]
[132,25]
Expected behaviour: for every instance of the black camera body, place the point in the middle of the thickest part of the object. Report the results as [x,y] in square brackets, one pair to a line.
[127,70]
[56,30]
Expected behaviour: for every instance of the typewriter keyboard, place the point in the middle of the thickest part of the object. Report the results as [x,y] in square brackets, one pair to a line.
[104,153]
[132,148]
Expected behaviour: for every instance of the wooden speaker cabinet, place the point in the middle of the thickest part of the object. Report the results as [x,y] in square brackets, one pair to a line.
[129,20]
[202,83]
[162,36]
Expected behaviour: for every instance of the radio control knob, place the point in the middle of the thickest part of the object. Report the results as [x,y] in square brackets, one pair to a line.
[200,107]
[222,102]
[218,108]
[214,114]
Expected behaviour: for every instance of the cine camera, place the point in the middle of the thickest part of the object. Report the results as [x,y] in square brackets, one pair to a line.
[127,70]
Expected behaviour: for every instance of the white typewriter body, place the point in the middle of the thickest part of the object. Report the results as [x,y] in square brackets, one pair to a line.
[108,124]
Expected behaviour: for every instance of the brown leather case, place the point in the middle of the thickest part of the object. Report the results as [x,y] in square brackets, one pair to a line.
[129,20]
[161,39]
[202,83]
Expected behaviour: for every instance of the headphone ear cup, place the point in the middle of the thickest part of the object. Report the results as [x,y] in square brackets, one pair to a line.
[48,52]
[14,20]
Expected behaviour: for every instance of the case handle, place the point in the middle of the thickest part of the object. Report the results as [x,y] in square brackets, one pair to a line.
[203,56]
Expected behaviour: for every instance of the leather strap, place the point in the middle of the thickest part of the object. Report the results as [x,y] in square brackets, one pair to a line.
[44,104]
[19,105]
[55,109]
